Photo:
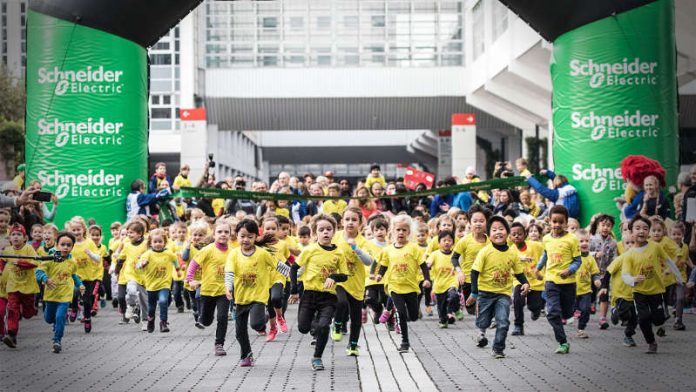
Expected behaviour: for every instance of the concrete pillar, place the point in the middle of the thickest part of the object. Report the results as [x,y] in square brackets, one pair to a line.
[463,142]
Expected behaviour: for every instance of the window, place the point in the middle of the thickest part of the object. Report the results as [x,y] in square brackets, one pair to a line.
[161,46]
[161,112]
[378,21]
[478,29]
[270,23]
[160,59]
[500,19]
[296,23]
[166,99]
[324,22]
[155,99]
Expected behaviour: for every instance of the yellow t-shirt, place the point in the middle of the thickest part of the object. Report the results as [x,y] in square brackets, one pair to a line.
[468,248]
[559,255]
[334,206]
[20,280]
[355,285]
[98,269]
[42,251]
[177,248]
[180,181]
[619,289]
[3,283]
[583,276]
[497,269]
[197,276]
[442,272]
[619,248]
[113,244]
[433,245]
[218,205]
[371,180]
[318,264]
[402,266]
[530,258]
[212,263]
[281,252]
[157,273]
[683,255]
[647,262]
[130,254]
[61,275]
[86,267]
[672,249]
[252,275]
[373,250]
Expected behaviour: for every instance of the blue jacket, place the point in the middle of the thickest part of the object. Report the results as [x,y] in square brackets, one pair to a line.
[566,195]
[439,200]
[463,201]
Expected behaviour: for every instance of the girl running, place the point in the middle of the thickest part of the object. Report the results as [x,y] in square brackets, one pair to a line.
[157,264]
[89,269]
[192,246]
[445,281]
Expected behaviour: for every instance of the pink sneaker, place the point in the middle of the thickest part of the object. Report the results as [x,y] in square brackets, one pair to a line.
[247,362]
[577,314]
[397,328]
[282,324]
[272,333]
[384,317]
[364,316]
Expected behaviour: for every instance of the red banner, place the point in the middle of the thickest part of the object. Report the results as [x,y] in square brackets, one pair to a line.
[414,177]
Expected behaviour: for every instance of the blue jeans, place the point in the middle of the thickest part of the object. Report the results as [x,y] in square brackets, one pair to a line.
[560,300]
[155,297]
[583,303]
[494,305]
[54,313]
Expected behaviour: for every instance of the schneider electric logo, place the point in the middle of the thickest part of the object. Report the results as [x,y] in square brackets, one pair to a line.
[91,132]
[89,184]
[629,125]
[602,178]
[87,80]
[628,72]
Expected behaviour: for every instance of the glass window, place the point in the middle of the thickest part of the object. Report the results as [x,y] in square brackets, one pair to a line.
[270,22]
[160,125]
[378,21]
[166,99]
[477,29]
[296,23]
[324,22]
[161,113]
[500,19]
[155,99]
[161,46]
[160,59]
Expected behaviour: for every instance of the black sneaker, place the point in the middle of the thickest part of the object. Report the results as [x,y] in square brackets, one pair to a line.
[114,303]
[518,330]
[661,332]
[313,342]
[164,327]
[10,341]
[150,324]
[199,325]
[136,315]
[56,347]
[614,316]
[481,341]
[180,309]
[404,347]
[535,315]
[88,326]
[498,354]
[679,326]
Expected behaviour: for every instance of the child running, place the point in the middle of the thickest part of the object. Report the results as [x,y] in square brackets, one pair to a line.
[158,264]
[587,274]
[491,284]
[324,265]
[466,249]
[59,278]
[199,231]
[603,248]
[562,259]
[403,259]
[530,254]
[683,262]
[130,292]
[445,286]
[211,261]
[623,308]
[89,269]
[643,270]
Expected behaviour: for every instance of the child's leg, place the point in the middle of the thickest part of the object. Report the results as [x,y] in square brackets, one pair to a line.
[222,307]
[502,321]
[627,312]
[355,308]
[276,301]
[163,296]
[441,300]
[132,293]
[453,304]
[679,302]
[13,311]
[325,307]
[3,313]
[152,297]
[121,289]
[342,307]
[584,303]
[286,296]
[466,292]
[61,310]
[405,304]
[428,296]
[644,316]
[554,311]
[518,301]
[187,298]
[50,308]
[305,312]
[87,299]
[373,300]
[27,303]
[207,310]
[534,302]
[142,300]
[486,311]
[191,295]
[114,286]
[240,332]
[178,287]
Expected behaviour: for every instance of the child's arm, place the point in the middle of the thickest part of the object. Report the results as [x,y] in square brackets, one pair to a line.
[673,267]
[191,273]
[95,257]
[363,256]
[426,274]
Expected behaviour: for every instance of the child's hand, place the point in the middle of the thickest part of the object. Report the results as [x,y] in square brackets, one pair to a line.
[228,294]
[690,285]
[603,292]
[639,278]
[294,298]
[373,277]
[565,273]
[471,300]
[524,289]
[461,278]
[329,283]
[426,284]
[539,276]
[82,290]
[378,278]
[194,284]
[50,284]
[598,283]
[599,255]
[112,269]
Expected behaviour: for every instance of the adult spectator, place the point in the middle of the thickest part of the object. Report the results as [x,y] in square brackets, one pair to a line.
[12,201]
[442,203]
[422,201]
[159,176]
[562,193]
[233,205]
[470,176]
[683,185]
[505,201]
[139,203]
[689,198]
[308,179]
[313,207]
[344,189]
[47,215]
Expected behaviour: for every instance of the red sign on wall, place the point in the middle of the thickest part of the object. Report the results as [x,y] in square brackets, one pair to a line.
[414,177]
[197,114]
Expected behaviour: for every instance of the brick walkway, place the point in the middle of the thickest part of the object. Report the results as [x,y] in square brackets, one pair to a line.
[115,357]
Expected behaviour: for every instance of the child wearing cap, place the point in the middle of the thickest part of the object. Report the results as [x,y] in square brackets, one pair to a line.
[21,282]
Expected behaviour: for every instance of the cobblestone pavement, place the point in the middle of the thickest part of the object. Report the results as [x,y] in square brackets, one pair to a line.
[122,357]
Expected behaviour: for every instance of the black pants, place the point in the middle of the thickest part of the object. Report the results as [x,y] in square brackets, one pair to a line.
[209,305]
[375,298]
[407,308]
[321,305]
[87,299]
[275,300]
[425,293]
[346,307]
[532,300]
[106,286]
[177,293]
[447,302]
[651,311]
[254,314]
[187,297]
[121,298]
[560,301]
[627,313]
[191,294]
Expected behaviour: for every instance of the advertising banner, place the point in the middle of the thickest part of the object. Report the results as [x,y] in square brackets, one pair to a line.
[614,94]
[86,123]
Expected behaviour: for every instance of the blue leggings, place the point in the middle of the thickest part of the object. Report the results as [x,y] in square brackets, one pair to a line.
[54,313]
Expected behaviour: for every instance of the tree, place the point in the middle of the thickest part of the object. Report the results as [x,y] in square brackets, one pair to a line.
[11,144]
[12,96]
[12,108]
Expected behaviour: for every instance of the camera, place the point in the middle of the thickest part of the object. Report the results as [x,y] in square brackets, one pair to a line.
[211,162]
[42,196]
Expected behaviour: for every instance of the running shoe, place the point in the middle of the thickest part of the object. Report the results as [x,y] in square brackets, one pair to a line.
[629,342]
[220,351]
[336,334]
[282,325]
[317,364]
[247,362]
[564,348]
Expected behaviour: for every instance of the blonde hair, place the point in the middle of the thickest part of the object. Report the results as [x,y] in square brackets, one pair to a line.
[401,220]
[78,220]
[322,217]
[197,227]
[155,233]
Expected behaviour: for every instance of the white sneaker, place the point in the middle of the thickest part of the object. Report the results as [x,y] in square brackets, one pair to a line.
[129,312]
[144,328]
[570,321]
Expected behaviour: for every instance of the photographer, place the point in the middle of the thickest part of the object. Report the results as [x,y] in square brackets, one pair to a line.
[234,205]
[12,201]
